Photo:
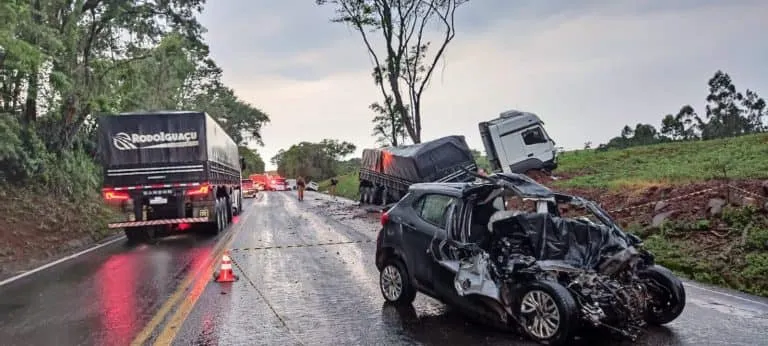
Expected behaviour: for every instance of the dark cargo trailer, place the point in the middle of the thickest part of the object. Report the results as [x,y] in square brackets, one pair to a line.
[386,173]
[169,169]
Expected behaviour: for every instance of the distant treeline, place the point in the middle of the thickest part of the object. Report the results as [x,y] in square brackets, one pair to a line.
[728,113]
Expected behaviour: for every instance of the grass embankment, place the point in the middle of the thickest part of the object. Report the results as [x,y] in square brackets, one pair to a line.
[36,228]
[347,186]
[743,157]
[730,249]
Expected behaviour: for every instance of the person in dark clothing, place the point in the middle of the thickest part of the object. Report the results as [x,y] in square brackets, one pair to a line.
[300,185]
[333,186]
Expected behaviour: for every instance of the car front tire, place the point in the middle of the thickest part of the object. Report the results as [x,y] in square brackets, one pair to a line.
[547,313]
[395,283]
[671,297]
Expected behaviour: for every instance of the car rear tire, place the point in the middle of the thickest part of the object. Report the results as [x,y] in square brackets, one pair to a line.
[671,296]
[395,283]
[547,313]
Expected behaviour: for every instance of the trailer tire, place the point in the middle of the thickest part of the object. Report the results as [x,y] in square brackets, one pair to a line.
[221,215]
[138,235]
[238,203]
[213,228]
[228,212]
[134,235]
[384,196]
[363,194]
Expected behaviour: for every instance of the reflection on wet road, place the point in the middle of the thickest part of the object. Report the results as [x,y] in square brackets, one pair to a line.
[307,277]
[296,287]
[103,298]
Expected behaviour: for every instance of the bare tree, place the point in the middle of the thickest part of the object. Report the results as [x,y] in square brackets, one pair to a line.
[402,24]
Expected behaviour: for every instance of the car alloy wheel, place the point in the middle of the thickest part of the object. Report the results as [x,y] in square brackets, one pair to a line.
[391,282]
[542,316]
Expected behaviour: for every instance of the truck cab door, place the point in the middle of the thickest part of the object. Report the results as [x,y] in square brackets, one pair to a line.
[537,144]
[512,152]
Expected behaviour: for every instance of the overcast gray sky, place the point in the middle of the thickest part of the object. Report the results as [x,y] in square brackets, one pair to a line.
[586,67]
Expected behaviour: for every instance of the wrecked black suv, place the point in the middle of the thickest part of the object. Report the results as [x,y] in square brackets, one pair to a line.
[501,249]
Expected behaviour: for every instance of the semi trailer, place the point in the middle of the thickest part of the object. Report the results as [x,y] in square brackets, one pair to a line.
[169,171]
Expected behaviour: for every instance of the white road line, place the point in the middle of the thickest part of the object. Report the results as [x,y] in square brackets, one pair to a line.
[46,266]
[725,294]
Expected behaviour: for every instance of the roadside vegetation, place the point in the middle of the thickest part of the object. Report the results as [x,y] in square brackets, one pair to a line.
[347,186]
[741,157]
[316,161]
[62,64]
[730,250]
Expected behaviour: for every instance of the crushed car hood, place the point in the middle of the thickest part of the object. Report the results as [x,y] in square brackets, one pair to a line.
[578,243]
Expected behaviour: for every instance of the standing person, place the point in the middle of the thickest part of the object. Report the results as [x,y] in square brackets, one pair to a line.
[333,187]
[300,184]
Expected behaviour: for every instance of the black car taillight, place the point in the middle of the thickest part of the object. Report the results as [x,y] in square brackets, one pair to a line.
[384,219]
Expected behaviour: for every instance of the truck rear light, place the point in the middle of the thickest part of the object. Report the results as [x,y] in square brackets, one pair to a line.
[202,190]
[116,196]
[384,219]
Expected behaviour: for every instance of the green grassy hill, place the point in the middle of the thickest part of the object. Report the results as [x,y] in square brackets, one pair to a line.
[740,158]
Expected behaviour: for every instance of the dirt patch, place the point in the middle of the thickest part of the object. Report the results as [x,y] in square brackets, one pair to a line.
[637,204]
[727,249]
[36,228]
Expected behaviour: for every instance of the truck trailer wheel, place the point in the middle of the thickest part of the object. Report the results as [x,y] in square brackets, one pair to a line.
[228,210]
[138,235]
[238,208]
[364,195]
[213,228]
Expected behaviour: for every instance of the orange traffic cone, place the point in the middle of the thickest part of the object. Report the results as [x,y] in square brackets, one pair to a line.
[225,273]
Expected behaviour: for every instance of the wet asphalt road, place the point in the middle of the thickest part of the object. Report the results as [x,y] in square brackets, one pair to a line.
[295,291]
[101,298]
[306,277]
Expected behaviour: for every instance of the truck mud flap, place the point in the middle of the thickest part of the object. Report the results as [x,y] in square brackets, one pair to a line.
[157,222]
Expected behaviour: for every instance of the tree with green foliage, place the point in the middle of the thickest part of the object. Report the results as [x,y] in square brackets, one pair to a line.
[63,62]
[316,161]
[481,160]
[388,126]
[402,25]
[253,161]
[728,113]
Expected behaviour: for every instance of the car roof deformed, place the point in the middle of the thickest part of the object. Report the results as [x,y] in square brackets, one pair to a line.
[521,184]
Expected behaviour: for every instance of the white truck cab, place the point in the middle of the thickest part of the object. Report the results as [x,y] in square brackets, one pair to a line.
[516,142]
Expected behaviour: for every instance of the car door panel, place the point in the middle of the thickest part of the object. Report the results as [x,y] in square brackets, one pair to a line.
[420,230]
